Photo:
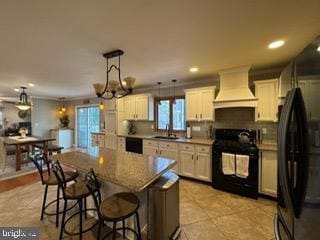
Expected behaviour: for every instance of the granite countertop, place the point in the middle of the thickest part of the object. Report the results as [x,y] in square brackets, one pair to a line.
[202,141]
[129,170]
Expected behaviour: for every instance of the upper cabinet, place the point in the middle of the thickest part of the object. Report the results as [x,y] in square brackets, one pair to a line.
[199,104]
[267,106]
[138,107]
[310,90]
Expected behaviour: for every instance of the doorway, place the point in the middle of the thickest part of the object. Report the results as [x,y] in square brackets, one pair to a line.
[88,121]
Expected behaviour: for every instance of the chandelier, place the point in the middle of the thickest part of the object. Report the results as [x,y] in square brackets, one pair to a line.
[62,108]
[23,104]
[114,88]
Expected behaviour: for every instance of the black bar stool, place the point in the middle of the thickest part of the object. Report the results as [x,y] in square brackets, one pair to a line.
[78,191]
[48,179]
[118,208]
[52,148]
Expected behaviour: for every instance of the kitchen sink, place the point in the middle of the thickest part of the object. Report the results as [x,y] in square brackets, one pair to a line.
[165,137]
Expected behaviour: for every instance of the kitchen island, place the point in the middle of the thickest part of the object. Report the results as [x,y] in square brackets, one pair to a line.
[119,171]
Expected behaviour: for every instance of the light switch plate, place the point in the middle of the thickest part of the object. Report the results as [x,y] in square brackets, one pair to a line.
[196,128]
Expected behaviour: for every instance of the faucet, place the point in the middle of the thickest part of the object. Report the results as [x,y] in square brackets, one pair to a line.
[168,130]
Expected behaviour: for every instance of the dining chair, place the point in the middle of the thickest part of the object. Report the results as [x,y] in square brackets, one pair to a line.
[3,156]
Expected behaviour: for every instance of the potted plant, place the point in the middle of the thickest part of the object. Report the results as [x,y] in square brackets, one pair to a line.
[64,121]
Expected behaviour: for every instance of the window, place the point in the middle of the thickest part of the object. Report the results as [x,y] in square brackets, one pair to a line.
[168,113]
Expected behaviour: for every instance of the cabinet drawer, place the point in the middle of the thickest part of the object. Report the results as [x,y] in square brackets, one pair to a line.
[187,147]
[202,149]
[150,143]
[101,138]
[121,140]
[168,145]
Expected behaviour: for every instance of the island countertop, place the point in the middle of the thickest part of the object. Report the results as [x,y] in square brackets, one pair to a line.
[129,170]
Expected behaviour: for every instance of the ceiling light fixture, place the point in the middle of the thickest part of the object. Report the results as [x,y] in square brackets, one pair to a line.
[114,88]
[194,69]
[276,44]
[101,106]
[318,49]
[16,90]
[31,85]
[24,104]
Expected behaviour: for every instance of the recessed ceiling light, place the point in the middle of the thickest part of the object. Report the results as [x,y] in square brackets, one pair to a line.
[16,89]
[318,49]
[31,85]
[194,69]
[276,44]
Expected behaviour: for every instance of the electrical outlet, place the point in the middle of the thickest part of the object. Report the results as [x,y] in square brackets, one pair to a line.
[264,131]
[196,128]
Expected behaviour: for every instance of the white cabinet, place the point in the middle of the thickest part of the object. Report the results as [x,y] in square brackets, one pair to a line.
[170,154]
[111,130]
[199,104]
[138,107]
[195,161]
[150,147]
[267,106]
[310,90]
[268,173]
[97,140]
[121,124]
[64,137]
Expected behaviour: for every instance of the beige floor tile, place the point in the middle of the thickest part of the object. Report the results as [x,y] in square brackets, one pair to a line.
[236,227]
[271,209]
[204,230]
[190,212]
[214,207]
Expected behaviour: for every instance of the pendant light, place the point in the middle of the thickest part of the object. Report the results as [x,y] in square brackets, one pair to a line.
[23,104]
[159,84]
[174,91]
[114,88]
[62,109]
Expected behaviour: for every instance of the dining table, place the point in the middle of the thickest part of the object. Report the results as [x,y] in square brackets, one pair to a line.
[27,142]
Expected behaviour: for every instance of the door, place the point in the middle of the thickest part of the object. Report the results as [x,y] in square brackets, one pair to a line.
[130,108]
[192,105]
[88,121]
[172,155]
[269,174]
[266,106]
[206,104]
[187,163]
[293,163]
[142,107]
[202,166]
[150,151]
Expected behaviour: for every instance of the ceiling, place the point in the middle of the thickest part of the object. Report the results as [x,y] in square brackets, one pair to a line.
[58,45]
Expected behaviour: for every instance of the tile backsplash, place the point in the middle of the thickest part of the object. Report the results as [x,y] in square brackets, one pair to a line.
[224,118]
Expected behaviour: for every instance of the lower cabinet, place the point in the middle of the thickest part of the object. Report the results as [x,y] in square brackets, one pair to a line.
[170,154]
[195,161]
[268,173]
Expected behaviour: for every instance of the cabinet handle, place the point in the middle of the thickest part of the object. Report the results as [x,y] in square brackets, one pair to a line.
[136,115]
[197,158]
[192,156]
[196,116]
[258,115]
[310,114]
[201,116]
[156,151]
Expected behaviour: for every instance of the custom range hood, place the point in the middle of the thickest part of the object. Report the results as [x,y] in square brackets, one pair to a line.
[234,89]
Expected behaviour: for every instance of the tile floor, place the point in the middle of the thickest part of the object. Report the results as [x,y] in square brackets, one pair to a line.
[205,213]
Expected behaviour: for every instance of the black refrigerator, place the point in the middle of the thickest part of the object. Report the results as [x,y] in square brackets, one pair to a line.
[298,208]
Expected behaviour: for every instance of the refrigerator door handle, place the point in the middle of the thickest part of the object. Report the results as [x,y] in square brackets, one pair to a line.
[282,153]
[276,227]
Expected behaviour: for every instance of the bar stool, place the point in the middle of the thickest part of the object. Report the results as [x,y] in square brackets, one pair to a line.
[118,208]
[51,180]
[78,191]
[52,148]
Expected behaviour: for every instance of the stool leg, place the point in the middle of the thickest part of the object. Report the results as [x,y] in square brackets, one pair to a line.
[80,214]
[138,226]
[99,230]
[123,229]
[63,218]
[44,201]
[57,209]
[85,207]
[114,231]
